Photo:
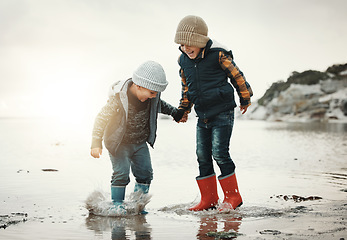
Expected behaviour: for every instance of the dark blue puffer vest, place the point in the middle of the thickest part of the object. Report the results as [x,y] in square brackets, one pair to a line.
[208,86]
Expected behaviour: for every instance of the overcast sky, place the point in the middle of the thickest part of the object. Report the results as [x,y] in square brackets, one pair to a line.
[58,57]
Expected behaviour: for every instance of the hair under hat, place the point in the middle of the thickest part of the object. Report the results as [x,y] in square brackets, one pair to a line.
[192,31]
[150,75]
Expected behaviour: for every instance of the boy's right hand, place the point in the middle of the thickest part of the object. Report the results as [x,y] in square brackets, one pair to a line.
[96,152]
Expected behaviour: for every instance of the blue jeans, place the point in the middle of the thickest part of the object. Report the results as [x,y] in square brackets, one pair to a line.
[136,157]
[212,141]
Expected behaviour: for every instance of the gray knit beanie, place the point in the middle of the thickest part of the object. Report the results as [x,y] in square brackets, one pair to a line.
[150,75]
[192,31]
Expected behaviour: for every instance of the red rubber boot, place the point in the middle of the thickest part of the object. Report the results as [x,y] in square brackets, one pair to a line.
[208,191]
[232,197]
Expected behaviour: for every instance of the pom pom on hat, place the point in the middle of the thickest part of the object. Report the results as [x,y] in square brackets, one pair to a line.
[192,31]
[150,75]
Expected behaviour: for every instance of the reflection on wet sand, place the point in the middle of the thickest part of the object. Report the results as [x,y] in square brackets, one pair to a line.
[210,227]
[120,227]
[137,227]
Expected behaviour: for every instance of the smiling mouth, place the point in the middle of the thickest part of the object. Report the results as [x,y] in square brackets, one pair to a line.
[190,53]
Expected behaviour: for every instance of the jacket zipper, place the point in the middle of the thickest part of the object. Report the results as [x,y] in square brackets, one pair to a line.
[199,88]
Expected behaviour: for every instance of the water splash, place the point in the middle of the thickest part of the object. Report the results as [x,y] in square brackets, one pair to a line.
[183,209]
[137,202]
[99,203]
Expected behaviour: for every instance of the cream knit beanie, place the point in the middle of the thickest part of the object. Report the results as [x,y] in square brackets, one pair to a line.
[150,75]
[192,31]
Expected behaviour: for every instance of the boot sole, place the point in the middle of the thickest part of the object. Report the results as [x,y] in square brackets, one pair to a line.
[232,207]
[206,209]
[239,205]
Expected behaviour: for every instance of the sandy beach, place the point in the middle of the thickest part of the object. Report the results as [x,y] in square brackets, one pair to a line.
[292,178]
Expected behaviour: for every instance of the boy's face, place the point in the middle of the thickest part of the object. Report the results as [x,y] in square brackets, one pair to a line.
[191,51]
[143,93]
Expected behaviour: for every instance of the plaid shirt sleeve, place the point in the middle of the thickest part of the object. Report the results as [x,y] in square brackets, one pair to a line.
[237,79]
[185,104]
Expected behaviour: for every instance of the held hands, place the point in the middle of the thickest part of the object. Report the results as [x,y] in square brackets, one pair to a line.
[184,118]
[243,109]
[96,152]
[179,115]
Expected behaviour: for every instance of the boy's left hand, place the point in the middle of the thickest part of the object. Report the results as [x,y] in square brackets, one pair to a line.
[96,152]
[243,109]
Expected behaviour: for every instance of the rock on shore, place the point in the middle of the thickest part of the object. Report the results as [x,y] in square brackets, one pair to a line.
[306,96]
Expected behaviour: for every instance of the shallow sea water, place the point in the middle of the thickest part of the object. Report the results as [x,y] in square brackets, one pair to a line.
[274,162]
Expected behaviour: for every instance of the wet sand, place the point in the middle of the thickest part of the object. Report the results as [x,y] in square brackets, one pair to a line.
[292,179]
[305,221]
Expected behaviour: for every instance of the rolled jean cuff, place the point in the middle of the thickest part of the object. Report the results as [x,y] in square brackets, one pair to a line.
[223,177]
[201,178]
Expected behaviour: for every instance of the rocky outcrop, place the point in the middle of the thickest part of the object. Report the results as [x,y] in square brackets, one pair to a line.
[306,96]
